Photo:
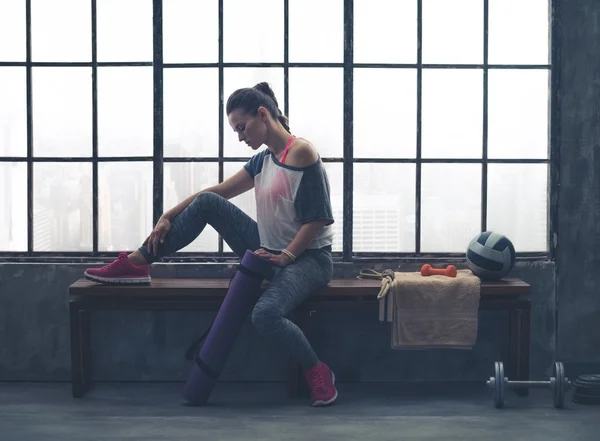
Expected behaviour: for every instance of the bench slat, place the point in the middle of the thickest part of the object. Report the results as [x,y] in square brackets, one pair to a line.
[350,287]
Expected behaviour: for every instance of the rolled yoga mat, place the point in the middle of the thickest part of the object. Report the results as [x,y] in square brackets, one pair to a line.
[241,297]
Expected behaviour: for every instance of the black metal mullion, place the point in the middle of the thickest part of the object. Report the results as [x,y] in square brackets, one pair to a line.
[484,165]
[348,208]
[555,132]
[29,127]
[519,66]
[128,63]
[95,220]
[82,257]
[286,57]
[271,64]
[444,160]
[221,106]
[256,65]
[92,159]
[419,126]
[244,159]
[75,63]
[158,153]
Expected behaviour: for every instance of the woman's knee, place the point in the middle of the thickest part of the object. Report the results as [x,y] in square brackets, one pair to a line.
[206,203]
[207,199]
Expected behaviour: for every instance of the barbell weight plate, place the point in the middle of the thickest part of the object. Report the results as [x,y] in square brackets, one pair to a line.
[559,386]
[498,384]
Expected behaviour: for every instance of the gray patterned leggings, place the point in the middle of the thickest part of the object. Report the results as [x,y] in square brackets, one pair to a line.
[288,287]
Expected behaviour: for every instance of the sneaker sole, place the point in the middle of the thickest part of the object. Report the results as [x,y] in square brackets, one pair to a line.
[119,280]
[321,403]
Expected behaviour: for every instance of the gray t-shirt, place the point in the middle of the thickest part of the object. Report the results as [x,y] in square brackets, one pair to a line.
[288,197]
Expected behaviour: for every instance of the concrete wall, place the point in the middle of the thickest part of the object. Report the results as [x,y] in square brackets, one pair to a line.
[578,260]
[34,335]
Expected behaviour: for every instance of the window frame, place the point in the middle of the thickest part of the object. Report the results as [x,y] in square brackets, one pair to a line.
[348,65]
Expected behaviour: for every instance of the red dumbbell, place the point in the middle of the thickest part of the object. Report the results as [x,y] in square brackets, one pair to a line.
[428,270]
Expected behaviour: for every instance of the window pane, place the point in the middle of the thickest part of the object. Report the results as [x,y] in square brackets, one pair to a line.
[452,113]
[124,205]
[246,201]
[125,111]
[181,180]
[124,30]
[451,206]
[13,199]
[518,106]
[390,94]
[62,206]
[517,204]
[325,41]
[317,108]
[519,32]
[235,78]
[190,31]
[385,31]
[12,30]
[62,111]
[453,31]
[191,112]
[384,208]
[335,175]
[61,30]
[251,33]
[13,112]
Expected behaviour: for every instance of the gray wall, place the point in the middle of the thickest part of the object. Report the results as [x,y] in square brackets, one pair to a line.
[578,278]
[34,335]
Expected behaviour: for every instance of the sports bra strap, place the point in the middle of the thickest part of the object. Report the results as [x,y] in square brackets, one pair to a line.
[287,146]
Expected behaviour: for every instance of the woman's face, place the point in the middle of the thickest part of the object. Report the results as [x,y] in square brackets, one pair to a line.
[250,129]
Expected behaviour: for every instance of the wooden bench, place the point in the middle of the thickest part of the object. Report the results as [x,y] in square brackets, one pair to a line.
[207,294]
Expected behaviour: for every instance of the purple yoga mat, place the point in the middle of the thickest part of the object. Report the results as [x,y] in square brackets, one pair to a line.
[243,293]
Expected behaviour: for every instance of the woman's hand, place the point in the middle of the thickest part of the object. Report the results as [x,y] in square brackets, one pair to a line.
[280,260]
[157,235]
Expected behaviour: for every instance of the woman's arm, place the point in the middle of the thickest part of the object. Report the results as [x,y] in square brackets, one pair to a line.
[237,184]
[304,155]
[305,236]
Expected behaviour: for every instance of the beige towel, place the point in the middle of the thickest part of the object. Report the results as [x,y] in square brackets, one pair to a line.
[430,312]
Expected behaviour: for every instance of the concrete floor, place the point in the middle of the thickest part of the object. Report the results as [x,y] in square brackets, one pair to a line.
[241,412]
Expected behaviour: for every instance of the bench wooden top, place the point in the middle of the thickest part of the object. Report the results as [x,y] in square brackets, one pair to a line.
[349,287]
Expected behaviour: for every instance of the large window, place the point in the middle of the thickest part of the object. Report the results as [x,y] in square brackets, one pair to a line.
[432,117]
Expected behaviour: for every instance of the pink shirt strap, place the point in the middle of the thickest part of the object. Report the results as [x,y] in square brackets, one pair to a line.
[285,151]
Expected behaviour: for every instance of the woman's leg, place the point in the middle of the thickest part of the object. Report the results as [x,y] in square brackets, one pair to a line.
[289,287]
[237,229]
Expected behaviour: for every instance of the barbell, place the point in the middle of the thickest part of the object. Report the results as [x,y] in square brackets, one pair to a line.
[558,385]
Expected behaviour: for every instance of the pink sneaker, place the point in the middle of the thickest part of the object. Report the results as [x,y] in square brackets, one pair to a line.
[120,271]
[321,381]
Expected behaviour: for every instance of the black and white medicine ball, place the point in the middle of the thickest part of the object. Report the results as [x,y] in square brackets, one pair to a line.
[490,255]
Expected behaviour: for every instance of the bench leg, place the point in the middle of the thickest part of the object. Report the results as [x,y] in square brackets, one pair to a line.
[519,341]
[84,318]
[524,347]
[80,350]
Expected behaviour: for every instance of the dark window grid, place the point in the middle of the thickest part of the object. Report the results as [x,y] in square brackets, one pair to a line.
[284,65]
[348,65]
[176,159]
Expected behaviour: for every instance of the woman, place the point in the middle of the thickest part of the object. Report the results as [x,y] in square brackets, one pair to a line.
[293,228]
